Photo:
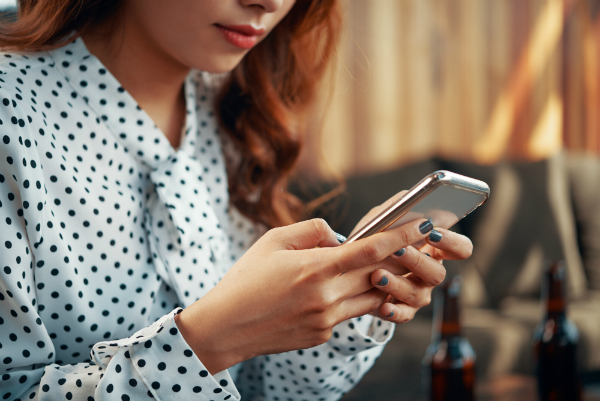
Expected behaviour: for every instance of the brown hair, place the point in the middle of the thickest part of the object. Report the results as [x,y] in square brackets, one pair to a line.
[262,105]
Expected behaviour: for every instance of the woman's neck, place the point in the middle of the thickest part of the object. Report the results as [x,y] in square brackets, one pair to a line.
[152,77]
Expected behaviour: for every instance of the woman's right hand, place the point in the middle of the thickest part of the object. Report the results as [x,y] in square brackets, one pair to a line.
[288,291]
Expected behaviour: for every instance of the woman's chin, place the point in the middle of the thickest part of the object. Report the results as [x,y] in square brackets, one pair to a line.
[219,64]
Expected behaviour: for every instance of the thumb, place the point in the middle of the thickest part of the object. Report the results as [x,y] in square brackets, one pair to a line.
[304,235]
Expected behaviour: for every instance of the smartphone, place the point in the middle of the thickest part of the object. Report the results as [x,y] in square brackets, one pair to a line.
[442,196]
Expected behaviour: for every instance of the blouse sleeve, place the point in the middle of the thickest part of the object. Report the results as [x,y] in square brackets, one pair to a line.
[154,362]
[323,373]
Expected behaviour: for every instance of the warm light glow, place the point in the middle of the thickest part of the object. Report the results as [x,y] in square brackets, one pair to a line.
[384,138]
[467,80]
[535,55]
[547,135]
[493,143]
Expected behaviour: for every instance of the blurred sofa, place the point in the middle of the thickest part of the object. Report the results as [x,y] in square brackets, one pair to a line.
[537,211]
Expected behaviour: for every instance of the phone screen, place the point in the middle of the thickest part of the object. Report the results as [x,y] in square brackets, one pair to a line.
[445,206]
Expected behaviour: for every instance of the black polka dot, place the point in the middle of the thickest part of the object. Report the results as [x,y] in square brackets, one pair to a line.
[83,237]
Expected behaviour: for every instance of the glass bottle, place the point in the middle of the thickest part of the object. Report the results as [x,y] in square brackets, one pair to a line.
[449,362]
[555,342]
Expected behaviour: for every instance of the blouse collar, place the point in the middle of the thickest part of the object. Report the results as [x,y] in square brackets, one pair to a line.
[119,111]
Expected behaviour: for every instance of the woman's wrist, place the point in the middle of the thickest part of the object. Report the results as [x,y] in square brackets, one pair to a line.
[207,340]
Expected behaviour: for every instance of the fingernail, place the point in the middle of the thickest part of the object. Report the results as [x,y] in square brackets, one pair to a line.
[341,239]
[391,314]
[435,236]
[400,252]
[426,226]
[427,254]
[384,281]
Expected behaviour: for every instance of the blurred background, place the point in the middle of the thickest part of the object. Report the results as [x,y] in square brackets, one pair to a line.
[478,80]
[507,91]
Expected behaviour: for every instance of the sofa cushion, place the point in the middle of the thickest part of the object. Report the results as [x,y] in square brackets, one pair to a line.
[584,313]
[584,178]
[527,221]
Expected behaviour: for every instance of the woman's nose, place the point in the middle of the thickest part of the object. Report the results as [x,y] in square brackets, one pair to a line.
[269,6]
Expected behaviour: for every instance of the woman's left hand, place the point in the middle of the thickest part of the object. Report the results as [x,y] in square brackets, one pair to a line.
[408,292]
[410,278]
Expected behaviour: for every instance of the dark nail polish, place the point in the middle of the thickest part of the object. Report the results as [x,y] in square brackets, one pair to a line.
[426,226]
[384,281]
[435,236]
[400,252]
[341,239]
[391,314]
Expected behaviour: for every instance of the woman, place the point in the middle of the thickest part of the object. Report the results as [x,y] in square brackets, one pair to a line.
[118,211]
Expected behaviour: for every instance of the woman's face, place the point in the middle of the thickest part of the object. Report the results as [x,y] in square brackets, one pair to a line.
[209,35]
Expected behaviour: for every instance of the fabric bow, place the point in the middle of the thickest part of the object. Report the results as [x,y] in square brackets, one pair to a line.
[180,188]
[179,216]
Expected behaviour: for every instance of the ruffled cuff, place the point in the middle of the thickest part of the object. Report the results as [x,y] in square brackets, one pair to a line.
[360,334]
[166,363]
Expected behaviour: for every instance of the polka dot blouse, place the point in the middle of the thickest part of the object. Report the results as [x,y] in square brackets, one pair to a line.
[107,231]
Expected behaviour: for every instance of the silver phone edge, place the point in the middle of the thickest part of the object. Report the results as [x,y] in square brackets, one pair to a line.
[432,181]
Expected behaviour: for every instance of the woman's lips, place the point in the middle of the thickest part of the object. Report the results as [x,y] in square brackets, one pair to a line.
[242,36]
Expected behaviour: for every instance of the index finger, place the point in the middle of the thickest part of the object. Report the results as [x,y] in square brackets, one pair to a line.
[304,235]
[449,245]
[377,247]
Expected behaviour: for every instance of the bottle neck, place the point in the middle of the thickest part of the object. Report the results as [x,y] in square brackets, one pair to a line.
[554,292]
[557,316]
[449,324]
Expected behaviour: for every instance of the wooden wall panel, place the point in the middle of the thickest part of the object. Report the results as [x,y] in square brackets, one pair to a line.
[420,90]
[385,86]
[446,57]
[404,110]
[500,56]
[478,80]
[572,81]
[591,68]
